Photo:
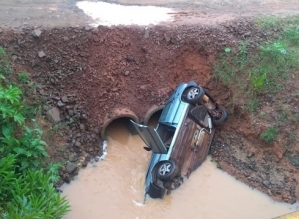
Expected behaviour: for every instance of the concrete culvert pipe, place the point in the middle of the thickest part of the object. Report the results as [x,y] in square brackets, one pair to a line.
[117,114]
[151,114]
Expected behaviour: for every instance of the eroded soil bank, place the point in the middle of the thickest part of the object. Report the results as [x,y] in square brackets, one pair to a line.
[84,74]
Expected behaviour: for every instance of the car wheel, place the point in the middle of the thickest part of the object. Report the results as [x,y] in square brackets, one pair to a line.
[166,170]
[194,94]
[221,117]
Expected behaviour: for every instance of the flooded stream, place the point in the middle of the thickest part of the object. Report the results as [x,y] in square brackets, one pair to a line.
[114,188]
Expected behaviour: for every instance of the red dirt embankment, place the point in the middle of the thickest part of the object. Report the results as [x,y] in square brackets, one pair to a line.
[87,73]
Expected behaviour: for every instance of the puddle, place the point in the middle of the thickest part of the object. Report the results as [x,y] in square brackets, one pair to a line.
[114,187]
[108,14]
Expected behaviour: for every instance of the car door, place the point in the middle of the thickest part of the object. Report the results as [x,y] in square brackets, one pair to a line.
[151,138]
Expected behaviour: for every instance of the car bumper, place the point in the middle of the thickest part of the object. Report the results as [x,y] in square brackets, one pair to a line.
[155,191]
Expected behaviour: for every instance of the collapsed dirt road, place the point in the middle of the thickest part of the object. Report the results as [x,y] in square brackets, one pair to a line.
[64,13]
[83,74]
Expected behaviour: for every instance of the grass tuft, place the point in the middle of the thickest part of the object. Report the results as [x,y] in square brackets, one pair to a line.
[269,135]
[23,77]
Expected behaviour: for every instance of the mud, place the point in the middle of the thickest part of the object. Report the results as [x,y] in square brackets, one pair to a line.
[116,187]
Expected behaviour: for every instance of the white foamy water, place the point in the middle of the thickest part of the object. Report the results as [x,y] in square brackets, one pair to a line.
[113,14]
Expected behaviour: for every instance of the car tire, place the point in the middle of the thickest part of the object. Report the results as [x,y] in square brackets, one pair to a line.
[194,94]
[167,170]
[221,119]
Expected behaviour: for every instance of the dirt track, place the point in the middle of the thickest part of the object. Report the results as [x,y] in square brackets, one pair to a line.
[87,72]
[64,13]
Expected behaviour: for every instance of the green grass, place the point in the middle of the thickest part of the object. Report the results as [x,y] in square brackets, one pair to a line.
[284,116]
[252,104]
[26,188]
[5,66]
[23,77]
[2,51]
[275,22]
[263,115]
[259,77]
[268,22]
[31,111]
[264,70]
[269,135]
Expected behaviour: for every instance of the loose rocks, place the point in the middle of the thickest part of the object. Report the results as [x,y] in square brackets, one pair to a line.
[54,115]
[71,168]
[41,54]
[36,33]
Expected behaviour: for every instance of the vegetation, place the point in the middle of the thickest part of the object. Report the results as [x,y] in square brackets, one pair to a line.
[23,77]
[26,190]
[262,77]
[269,135]
[264,70]
[5,67]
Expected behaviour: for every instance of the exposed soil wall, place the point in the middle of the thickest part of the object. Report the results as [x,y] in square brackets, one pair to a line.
[89,73]
[131,67]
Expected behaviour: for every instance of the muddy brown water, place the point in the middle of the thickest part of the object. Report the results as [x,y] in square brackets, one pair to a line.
[114,188]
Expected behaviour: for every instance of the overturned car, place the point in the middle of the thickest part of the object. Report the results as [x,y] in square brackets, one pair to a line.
[181,141]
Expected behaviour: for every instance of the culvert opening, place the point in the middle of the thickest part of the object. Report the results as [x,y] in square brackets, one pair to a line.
[154,118]
[121,117]
[120,129]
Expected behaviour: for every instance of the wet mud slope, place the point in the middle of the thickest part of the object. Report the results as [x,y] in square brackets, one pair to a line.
[83,75]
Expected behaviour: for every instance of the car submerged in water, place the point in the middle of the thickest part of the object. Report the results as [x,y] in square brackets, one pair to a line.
[181,141]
